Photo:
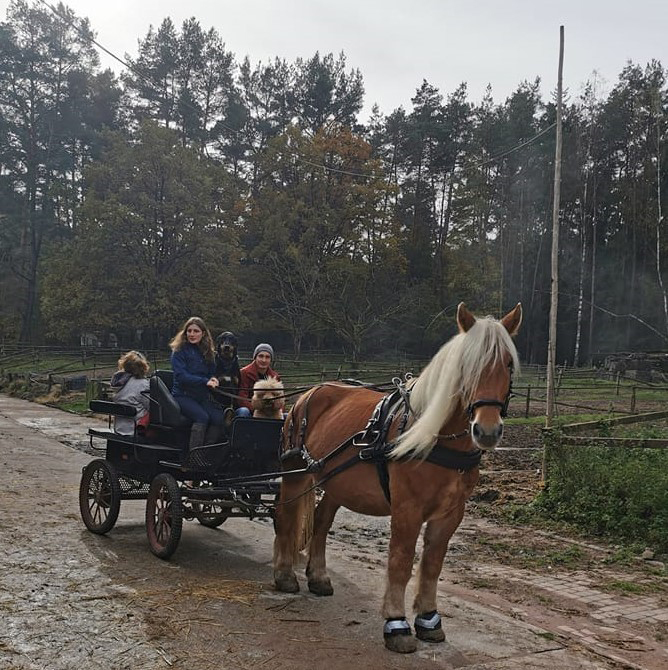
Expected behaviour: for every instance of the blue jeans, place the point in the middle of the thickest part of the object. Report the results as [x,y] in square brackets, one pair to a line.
[200,411]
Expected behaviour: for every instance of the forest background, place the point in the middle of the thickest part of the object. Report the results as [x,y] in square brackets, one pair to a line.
[253,196]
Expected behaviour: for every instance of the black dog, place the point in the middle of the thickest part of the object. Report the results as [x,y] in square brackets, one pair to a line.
[227,367]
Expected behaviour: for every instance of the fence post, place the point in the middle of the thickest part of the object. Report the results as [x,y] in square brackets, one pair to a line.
[633,400]
[560,374]
[93,390]
[619,376]
[526,410]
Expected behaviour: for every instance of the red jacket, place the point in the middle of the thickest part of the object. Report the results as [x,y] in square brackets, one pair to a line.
[249,375]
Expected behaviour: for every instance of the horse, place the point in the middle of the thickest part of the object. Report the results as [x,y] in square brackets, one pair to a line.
[414,457]
[268,399]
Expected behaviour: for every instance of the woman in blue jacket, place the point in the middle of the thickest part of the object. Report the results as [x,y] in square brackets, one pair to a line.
[193,363]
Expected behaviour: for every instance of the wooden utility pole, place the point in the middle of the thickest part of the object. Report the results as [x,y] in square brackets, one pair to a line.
[554,285]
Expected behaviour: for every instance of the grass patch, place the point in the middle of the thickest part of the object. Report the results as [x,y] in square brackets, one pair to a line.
[622,586]
[76,406]
[546,635]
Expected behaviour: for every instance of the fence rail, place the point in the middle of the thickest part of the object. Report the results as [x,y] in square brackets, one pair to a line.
[582,390]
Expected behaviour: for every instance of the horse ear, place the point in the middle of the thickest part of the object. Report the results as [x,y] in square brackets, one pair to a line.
[465,319]
[513,319]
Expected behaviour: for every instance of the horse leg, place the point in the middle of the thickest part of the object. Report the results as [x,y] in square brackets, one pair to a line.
[289,518]
[437,534]
[397,631]
[316,569]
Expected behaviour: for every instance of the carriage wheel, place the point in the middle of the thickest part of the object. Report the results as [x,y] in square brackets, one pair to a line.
[164,515]
[210,514]
[99,496]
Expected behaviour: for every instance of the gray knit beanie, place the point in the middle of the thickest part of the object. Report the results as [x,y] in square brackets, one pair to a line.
[264,347]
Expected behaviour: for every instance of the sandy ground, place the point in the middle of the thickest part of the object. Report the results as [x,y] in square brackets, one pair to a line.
[70,599]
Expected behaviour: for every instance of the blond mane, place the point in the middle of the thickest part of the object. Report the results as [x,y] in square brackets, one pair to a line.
[449,379]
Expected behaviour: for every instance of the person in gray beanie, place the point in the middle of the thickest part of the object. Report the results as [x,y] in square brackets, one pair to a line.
[258,368]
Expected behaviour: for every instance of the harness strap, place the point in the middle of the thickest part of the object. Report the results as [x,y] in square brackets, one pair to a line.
[373,447]
[455,460]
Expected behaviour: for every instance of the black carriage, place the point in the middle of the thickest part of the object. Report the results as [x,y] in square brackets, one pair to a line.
[236,477]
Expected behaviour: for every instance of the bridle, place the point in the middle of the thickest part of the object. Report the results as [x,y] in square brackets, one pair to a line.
[487,402]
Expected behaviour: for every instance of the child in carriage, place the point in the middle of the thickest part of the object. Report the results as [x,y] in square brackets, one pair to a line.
[130,387]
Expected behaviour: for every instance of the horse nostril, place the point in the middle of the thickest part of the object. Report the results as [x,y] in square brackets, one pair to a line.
[500,430]
[477,433]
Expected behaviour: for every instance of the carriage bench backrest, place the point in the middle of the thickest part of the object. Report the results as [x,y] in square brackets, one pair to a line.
[167,377]
[164,409]
[111,408]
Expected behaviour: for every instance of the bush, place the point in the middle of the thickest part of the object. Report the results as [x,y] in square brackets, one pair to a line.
[610,491]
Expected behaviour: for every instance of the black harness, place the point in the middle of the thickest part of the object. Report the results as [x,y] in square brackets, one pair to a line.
[372,445]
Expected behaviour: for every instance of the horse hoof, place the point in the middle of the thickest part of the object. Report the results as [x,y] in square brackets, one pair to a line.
[436,635]
[286,583]
[321,588]
[398,637]
[401,644]
[428,627]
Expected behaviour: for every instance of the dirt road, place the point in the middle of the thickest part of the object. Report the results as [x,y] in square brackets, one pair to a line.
[70,599]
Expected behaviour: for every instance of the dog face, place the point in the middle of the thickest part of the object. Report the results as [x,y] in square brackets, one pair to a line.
[226,345]
[268,400]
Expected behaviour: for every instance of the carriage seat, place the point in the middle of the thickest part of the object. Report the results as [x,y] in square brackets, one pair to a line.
[164,409]
[167,377]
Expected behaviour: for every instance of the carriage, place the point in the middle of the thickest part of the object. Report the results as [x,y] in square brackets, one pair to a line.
[236,477]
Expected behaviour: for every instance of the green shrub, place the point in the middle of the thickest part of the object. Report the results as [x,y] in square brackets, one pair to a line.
[609,491]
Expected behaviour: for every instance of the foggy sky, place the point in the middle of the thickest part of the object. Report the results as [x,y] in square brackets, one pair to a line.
[396,43]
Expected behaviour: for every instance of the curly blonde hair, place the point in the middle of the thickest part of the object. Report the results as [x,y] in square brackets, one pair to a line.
[135,363]
[205,344]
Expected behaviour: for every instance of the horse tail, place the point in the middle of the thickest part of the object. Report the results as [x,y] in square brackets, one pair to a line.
[307,516]
[305,502]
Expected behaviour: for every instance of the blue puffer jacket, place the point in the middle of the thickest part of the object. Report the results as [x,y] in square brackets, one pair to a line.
[191,373]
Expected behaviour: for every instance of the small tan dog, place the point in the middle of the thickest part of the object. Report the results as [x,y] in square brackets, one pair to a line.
[268,399]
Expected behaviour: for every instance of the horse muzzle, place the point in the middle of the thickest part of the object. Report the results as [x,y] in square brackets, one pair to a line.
[486,417]
[487,435]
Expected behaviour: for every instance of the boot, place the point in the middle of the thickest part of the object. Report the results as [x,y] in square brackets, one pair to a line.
[197,435]
[214,434]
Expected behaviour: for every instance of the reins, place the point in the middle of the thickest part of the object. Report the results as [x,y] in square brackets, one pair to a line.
[300,390]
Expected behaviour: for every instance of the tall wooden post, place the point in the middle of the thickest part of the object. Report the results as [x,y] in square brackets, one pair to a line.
[554,284]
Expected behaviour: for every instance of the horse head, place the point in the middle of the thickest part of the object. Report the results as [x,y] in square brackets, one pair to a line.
[488,401]
[465,388]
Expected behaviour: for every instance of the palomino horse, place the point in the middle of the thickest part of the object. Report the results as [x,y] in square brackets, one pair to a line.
[450,414]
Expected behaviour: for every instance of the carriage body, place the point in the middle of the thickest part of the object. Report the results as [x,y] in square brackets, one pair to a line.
[236,477]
